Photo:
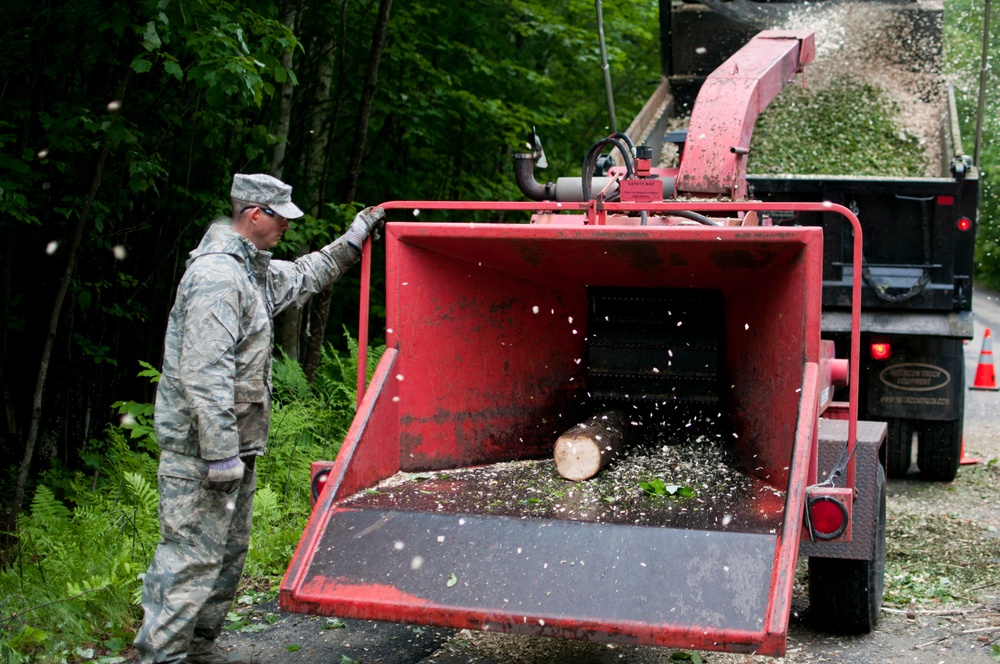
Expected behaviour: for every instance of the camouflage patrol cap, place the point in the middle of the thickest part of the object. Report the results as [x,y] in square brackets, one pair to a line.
[265,190]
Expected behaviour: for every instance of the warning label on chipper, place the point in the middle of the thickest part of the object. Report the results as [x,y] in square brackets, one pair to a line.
[641,191]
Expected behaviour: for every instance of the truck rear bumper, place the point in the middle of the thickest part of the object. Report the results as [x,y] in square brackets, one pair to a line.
[956,324]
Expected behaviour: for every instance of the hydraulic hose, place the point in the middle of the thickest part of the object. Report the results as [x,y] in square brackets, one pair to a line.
[625,137]
[590,161]
[694,216]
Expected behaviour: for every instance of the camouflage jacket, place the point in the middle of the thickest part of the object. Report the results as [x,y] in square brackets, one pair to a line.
[214,396]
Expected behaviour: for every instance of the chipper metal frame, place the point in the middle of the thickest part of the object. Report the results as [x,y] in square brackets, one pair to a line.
[487,328]
[472,370]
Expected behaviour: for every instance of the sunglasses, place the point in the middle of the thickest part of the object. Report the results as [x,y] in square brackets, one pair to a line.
[268,211]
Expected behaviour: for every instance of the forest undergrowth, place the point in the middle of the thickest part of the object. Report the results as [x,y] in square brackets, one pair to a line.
[71,574]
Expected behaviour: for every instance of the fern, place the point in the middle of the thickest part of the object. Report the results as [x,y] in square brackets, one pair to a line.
[48,511]
[266,507]
[289,379]
[144,493]
[76,574]
[76,571]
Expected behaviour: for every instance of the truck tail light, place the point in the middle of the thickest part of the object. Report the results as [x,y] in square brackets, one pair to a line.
[827,517]
[881,350]
[964,224]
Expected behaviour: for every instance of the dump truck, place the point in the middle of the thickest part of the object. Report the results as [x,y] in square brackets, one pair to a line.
[698,320]
[919,230]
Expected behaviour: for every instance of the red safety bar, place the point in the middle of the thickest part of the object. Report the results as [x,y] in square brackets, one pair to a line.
[596,213]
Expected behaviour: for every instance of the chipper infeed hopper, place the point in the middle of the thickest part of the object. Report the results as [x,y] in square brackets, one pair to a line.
[499,338]
[694,325]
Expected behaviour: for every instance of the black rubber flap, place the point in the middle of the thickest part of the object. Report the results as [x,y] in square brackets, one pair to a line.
[395,564]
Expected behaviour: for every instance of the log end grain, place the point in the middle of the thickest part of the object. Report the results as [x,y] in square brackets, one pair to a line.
[577,458]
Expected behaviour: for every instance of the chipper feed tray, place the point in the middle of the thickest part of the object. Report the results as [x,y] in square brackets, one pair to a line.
[499,338]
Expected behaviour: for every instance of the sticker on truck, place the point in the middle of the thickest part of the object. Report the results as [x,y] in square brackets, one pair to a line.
[915,377]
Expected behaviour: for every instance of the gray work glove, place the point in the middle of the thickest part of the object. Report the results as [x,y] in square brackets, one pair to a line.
[366,223]
[224,475]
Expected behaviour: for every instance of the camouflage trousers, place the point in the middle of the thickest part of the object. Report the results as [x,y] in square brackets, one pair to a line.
[192,580]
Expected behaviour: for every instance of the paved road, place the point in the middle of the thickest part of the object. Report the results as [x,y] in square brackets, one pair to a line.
[982,426]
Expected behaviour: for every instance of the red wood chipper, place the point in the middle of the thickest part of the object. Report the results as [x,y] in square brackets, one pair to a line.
[663,293]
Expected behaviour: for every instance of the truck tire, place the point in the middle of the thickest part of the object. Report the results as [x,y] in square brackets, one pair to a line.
[899,448]
[845,596]
[940,450]
[939,444]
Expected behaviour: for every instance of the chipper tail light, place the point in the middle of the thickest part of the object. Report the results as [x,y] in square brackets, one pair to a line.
[828,513]
[319,471]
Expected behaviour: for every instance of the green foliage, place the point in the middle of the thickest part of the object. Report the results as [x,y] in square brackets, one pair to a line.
[127,118]
[176,96]
[277,527]
[137,418]
[684,656]
[463,106]
[308,423]
[657,487]
[810,131]
[74,571]
[74,575]
[963,24]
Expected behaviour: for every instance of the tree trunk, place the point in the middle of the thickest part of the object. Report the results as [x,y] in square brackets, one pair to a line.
[9,246]
[322,307]
[319,312]
[50,337]
[367,96]
[338,112]
[585,449]
[321,125]
[290,320]
[285,106]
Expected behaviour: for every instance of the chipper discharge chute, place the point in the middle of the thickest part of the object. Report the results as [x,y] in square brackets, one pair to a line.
[444,507]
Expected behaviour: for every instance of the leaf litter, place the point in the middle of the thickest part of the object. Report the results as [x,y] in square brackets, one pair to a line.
[943,558]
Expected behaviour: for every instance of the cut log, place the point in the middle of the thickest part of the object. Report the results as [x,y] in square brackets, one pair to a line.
[583,450]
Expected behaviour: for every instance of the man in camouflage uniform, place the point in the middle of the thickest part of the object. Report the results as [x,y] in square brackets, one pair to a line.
[213,407]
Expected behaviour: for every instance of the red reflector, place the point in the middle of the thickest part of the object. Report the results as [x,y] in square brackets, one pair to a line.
[828,516]
[318,482]
[881,350]
[964,224]
[946,200]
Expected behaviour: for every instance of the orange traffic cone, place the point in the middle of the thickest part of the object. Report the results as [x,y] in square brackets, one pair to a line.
[968,461]
[986,378]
